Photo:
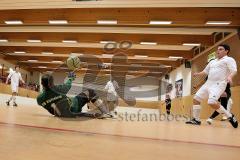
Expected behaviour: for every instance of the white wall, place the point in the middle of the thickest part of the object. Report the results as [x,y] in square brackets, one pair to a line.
[177,74]
[142,88]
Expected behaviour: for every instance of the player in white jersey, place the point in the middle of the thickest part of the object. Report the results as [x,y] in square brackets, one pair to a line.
[220,72]
[15,77]
[112,97]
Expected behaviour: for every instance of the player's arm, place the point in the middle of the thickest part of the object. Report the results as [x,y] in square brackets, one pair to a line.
[230,77]
[203,73]
[7,80]
[21,79]
[8,77]
[64,88]
[232,66]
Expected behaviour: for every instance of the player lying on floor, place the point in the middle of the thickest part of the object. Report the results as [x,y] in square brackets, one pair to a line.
[54,99]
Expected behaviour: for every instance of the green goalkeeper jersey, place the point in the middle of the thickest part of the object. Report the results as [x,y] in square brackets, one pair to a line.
[56,95]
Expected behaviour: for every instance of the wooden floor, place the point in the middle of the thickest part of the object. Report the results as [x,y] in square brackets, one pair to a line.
[29,132]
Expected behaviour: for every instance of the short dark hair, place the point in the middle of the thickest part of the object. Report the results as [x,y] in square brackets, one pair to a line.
[47,81]
[17,66]
[225,46]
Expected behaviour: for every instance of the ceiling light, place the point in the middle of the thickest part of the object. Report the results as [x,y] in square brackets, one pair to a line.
[107,22]
[57,61]
[140,56]
[148,43]
[218,22]
[160,22]
[19,52]
[58,22]
[3,40]
[105,42]
[34,41]
[175,57]
[191,44]
[42,67]
[32,60]
[14,22]
[164,66]
[47,53]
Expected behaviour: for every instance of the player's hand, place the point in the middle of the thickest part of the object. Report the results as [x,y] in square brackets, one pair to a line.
[224,94]
[72,75]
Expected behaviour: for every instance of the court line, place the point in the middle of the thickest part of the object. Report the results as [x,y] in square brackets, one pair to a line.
[114,135]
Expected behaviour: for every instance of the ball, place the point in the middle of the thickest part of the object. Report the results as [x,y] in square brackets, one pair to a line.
[73,62]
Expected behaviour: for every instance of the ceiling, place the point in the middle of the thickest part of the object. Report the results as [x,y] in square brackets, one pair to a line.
[81,34]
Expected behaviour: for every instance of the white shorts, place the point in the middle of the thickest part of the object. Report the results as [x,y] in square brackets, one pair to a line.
[210,90]
[14,88]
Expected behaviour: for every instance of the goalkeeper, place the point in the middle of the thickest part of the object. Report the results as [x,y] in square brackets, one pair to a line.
[54,99]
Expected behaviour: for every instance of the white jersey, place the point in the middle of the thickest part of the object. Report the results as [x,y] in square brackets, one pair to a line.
[111,90]
[15,78]
[219,69]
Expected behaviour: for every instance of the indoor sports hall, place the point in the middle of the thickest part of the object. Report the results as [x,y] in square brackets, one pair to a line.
[111,79]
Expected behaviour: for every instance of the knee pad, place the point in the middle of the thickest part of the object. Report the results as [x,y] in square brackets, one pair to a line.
[92,96]
[212,101]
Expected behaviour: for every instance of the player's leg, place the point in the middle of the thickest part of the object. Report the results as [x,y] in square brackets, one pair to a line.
[224,103]
[214,93]
[94,99]
[14,99]
[10,99]
[229,104]
[201,94]
[168,108]
[112,106]
[14,88]
[196,111]
[214,114]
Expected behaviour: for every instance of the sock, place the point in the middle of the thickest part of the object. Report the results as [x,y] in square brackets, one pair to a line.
[215,114]
[229,105]
[196,112]
[14,99]
[168,112]
[10,99]
[223,110]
